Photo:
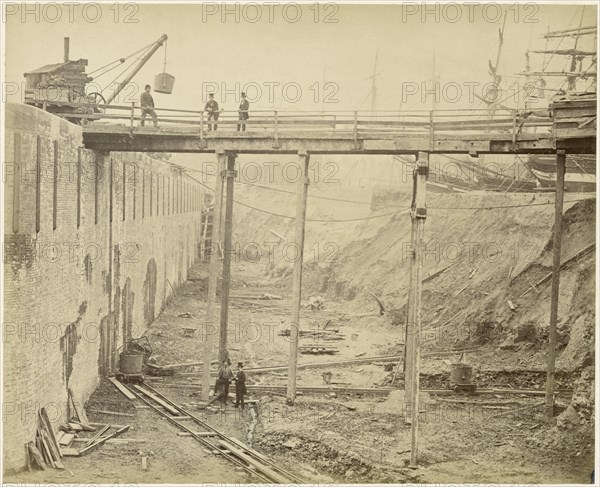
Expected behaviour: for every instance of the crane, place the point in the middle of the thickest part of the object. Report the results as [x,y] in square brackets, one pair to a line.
[143,60]
[54,86]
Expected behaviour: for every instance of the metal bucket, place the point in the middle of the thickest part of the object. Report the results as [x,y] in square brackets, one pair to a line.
[163,83]
[460,374]
[130,363]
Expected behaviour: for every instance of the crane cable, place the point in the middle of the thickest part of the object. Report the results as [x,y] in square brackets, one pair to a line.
[165,62]
[126,69]
[122,60]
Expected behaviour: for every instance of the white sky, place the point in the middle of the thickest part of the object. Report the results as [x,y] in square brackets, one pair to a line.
[281,52]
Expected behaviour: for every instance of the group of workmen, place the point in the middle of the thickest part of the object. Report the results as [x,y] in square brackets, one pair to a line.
[211,107]
[224,376]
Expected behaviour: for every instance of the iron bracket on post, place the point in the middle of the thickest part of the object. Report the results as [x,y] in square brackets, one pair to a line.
[422,170]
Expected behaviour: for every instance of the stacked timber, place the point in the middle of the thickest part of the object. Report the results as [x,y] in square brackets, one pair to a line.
[45,451]
[574,115]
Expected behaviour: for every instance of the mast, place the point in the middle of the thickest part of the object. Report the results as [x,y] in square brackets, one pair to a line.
[575,70]
[493,70]
[572,80]
[373,85]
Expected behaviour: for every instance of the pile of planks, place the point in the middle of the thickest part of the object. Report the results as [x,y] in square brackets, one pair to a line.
[101,437]
[45,451]
[318,349]
[49,447]
[327,332]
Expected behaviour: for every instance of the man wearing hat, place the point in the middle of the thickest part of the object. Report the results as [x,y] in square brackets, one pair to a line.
[147,105]
[240,385]
[212,107]
[243,113]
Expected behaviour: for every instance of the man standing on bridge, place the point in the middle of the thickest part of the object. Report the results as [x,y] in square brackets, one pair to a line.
[147,104]
[212,107]
[243,113]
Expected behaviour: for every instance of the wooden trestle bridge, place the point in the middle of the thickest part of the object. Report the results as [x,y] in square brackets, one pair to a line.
[568,126]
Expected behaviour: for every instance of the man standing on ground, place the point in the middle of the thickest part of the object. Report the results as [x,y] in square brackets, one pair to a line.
[240,385]
[222,384]
[147,104]
[212,107]
[243,113]
[225,375]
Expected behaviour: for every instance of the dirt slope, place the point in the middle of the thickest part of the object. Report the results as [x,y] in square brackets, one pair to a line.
[494,255]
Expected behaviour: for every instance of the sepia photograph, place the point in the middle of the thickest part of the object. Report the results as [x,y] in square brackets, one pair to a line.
[311,242]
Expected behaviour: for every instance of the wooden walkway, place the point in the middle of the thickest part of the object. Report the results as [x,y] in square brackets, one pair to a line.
[473,131]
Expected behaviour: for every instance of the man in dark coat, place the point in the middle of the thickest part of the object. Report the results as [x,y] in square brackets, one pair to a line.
[225,375]
[243,113]
[240,385]
[212,107]
[222,384]
[147,104]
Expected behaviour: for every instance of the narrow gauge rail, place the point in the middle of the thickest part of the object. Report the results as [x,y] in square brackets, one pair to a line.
[257,464]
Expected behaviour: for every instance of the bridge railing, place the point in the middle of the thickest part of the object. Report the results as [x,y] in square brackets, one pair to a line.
[354,123]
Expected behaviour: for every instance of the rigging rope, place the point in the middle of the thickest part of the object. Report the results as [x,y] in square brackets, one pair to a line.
[126,69]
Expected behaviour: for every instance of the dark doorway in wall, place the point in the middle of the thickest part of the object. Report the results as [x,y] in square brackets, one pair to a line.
[150,292]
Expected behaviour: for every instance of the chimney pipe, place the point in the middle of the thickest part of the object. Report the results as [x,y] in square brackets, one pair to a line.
[66,49]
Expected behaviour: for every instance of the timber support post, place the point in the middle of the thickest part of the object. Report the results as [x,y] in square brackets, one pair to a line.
[418,216]
[229,176]
[303,160]
[556,244]
[213,274]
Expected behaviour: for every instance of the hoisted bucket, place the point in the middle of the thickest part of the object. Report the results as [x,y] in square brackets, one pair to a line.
[163,83]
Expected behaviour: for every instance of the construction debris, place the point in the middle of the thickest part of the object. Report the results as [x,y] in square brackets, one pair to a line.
[316,302]
[317,349]
[46,442]
[268,296]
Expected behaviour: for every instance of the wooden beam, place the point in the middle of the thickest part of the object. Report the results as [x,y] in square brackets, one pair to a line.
[213,272]
[104,439]
[157,399]
[186,139]
[126,392]
[418,215]
[569,260]
[301,199]
[557,237]
[227,251]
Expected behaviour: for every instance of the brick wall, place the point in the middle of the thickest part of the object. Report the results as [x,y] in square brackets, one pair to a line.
[93,245]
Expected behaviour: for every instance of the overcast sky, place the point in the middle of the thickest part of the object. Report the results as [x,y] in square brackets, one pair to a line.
[238,49]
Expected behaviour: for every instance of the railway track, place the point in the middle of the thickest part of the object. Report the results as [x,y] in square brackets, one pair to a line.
[234,451]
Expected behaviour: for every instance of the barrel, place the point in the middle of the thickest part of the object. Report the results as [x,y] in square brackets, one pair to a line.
[130,363]
[163,83]
[460,374]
